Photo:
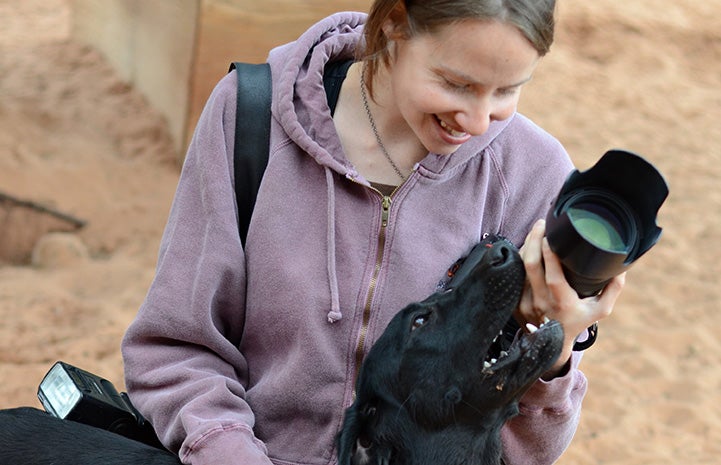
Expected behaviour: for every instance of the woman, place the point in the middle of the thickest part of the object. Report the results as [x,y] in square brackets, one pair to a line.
[248,355]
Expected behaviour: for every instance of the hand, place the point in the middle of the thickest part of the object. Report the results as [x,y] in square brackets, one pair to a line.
[547,294]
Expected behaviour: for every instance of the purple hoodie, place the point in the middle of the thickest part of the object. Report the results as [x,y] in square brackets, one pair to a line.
[249,356]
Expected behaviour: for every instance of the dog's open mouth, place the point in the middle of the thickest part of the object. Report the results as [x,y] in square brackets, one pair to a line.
[531,353]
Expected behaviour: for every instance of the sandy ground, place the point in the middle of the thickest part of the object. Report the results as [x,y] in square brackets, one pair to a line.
[643,75]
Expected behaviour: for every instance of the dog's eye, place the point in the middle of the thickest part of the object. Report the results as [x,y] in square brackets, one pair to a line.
[419,321]
[369,410]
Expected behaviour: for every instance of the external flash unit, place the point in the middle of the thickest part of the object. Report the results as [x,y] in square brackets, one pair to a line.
[69,393]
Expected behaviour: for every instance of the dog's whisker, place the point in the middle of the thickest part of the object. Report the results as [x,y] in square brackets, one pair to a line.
[403,407]
[473,407]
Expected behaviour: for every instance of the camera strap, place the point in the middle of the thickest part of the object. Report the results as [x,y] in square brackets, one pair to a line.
[252,136]
[252,128]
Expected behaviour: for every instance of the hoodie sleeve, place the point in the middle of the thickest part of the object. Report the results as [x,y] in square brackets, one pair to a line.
[548,418]
[183,369]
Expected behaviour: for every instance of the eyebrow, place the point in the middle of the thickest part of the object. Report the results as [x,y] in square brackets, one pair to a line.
[472,80]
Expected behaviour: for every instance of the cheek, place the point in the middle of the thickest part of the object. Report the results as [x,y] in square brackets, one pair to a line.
[506,108]
[422,103]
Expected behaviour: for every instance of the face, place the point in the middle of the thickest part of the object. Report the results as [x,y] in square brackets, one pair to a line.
[450,85]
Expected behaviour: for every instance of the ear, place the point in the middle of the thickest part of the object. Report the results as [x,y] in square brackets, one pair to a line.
[396,27]
[356,445]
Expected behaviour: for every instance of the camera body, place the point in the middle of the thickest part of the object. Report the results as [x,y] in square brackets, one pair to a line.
[70,393]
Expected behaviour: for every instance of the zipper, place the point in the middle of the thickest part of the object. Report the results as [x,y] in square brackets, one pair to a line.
[386,202]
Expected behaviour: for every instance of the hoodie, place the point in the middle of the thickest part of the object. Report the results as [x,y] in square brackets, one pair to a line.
[249,355]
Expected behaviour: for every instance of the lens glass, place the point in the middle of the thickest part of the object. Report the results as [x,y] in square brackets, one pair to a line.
[599,226]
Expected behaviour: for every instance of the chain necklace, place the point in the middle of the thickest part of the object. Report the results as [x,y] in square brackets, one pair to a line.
[373,125]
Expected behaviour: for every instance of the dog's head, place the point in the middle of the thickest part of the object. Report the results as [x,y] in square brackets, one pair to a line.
[439,366]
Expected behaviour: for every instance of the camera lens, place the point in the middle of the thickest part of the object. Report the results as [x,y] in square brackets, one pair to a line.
[600,226]
[604,220]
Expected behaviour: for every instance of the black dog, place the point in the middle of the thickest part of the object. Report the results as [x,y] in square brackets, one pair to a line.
[436,388]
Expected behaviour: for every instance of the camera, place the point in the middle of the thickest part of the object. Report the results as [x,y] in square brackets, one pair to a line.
[604,219]
[70,393]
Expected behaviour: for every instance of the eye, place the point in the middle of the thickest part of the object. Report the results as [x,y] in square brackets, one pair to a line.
[369,410]
[420,320]
[508,91]
[456,86]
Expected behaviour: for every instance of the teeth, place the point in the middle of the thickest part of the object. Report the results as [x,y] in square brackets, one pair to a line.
[486,364]
[531,328]
[450,130]
[503,354]
[546,319]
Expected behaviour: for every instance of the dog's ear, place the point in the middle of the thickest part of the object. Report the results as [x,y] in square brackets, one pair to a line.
[357,444]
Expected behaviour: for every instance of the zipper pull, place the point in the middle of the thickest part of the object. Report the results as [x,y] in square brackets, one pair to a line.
[386,204]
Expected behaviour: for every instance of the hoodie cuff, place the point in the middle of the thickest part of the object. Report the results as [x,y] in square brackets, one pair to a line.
[227,444]
[558,395]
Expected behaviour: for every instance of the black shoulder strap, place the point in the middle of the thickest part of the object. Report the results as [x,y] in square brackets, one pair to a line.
[252,137]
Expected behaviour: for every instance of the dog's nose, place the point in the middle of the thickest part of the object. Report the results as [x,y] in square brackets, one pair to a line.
[500,253]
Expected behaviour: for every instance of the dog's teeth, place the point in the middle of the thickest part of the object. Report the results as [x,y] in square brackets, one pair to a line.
[531,328]
[546,319]
[503,354]
[493,360]
[486,364]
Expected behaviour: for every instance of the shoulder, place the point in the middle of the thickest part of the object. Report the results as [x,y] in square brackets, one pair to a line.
[531,166]
[523,136]
[523,149]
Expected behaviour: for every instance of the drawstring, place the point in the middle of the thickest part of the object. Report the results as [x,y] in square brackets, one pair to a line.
[334,314]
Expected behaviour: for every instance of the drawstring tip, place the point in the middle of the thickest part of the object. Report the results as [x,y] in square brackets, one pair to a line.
[334,316]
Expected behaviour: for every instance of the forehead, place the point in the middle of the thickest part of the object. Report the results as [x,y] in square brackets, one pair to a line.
[478,48]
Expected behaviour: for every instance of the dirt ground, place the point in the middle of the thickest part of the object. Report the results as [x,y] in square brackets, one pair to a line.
[642,75]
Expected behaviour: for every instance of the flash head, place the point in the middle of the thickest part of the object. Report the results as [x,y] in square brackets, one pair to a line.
[604,219]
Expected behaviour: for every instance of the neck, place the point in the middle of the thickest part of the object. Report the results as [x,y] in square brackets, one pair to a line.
[400,141]
[455,445]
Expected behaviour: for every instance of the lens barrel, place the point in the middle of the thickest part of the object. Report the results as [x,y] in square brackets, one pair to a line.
[604,219]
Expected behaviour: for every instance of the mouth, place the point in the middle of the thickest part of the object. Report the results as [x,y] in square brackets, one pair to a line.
[539,347]
[450,134]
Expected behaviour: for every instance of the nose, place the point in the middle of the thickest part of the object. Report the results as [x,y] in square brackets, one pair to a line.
[475,118]
[500,253]
[479,114]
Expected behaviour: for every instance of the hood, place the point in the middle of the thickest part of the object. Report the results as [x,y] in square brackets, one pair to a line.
[299,100]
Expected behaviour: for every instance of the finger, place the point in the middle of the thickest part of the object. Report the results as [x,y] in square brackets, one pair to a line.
[533,256]
[555,277]
[525,307]
[609,295]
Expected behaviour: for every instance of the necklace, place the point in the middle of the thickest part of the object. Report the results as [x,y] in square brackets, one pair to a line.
[373,125]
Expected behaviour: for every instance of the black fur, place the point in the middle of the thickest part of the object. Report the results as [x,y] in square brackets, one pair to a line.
[30,436]
[423,396]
